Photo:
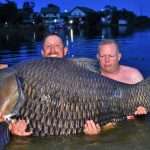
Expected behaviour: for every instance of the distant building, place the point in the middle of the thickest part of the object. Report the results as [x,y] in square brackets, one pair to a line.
[80,12]
[50,14]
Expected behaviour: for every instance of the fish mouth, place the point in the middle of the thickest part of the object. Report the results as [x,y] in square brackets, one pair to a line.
[11,94]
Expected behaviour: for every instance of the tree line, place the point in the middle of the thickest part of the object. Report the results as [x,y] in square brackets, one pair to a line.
[10,14]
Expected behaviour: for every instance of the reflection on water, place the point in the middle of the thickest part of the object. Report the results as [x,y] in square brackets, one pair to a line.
[122,30]
[19,45]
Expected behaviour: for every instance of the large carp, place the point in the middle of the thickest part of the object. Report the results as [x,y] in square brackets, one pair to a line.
[57,96]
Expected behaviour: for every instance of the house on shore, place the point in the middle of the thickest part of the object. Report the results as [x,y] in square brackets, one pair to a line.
[80,12]
[50,14]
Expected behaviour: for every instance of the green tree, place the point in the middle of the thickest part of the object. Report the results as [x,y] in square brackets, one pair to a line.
[110,14]
[28,9]
[37,18]
[127,15]
[2,15]
[54,8]
[92,20]
[8,12]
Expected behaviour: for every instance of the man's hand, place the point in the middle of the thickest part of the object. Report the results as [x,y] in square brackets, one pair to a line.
[19,128]
[90,128]
[2,66]
[139,111]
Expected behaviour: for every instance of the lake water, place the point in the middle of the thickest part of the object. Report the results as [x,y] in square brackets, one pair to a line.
[18,45]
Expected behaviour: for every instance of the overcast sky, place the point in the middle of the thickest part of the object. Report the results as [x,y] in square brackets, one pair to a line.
[139,7]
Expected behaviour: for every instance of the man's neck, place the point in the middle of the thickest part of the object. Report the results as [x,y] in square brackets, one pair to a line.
[110,74]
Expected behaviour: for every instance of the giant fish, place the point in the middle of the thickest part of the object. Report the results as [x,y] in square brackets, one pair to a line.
[56,96]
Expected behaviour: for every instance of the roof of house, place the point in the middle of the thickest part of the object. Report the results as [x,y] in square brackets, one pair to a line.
[84,9]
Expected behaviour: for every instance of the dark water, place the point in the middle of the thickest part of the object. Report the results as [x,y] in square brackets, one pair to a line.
[20,45]
[131,135]
[16,45]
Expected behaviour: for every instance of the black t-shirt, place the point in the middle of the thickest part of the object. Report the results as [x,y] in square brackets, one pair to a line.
[4,134]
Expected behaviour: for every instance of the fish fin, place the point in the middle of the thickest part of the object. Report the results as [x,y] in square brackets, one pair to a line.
[88,63]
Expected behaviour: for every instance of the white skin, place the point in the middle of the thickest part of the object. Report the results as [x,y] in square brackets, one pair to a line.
[2,66]
[109,57]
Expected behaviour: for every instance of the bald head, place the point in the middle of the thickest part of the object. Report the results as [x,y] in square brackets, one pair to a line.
[108,42]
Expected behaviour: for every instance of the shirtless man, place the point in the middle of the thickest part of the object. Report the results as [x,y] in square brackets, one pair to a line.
[109,56]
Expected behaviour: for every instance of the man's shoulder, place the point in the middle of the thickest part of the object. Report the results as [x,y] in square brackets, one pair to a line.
[128,68]
[133,72]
